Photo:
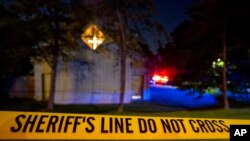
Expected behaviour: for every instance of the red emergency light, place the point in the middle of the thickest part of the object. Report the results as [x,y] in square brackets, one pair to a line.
[162,79]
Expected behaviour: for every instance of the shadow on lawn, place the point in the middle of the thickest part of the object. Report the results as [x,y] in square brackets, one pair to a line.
[27,104]
[21,104]
[143,107]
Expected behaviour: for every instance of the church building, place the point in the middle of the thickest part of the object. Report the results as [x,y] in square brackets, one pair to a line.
[92,76]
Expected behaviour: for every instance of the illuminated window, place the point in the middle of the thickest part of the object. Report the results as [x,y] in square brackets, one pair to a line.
[93,36]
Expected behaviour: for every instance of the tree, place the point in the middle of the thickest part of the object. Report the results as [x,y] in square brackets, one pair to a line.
[56,27]
[123,21]
[132,18]
[216,30]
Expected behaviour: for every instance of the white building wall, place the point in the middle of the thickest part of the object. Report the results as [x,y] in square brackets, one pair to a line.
[39,70]
[97,81]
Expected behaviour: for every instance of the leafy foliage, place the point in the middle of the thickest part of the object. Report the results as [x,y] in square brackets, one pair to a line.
[198,41]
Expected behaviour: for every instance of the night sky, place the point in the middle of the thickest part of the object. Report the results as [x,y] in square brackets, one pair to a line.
[170,13]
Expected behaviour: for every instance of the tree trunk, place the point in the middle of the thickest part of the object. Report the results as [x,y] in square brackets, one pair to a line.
[224,57]
[122,45]
[55,52]
[224,74]
[50,106]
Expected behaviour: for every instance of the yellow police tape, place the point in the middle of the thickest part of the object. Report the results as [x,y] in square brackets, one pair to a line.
[42,125]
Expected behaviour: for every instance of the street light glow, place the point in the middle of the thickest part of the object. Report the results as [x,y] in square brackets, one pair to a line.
[218,63]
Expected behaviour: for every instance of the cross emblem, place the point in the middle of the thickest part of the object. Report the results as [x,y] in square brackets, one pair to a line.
[95,42]
[93,36]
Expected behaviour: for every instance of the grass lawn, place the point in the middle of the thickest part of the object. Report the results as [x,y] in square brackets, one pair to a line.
[237,111]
